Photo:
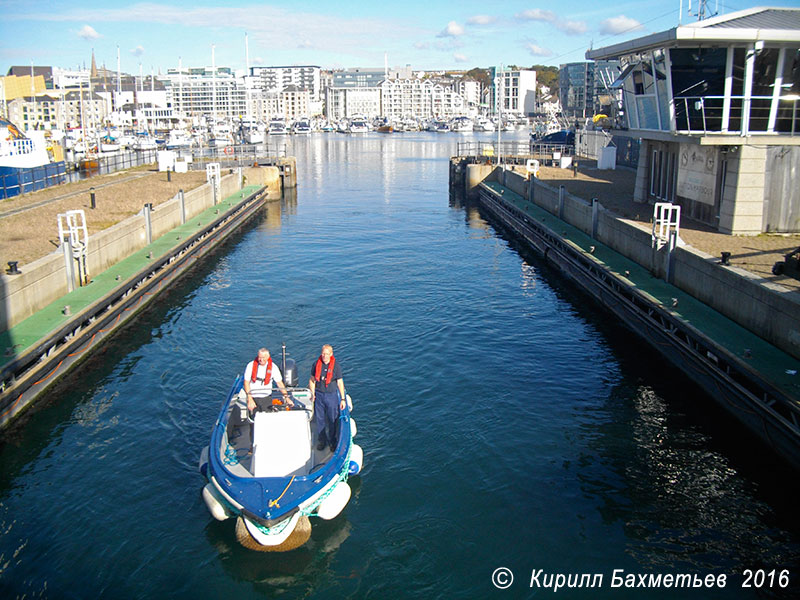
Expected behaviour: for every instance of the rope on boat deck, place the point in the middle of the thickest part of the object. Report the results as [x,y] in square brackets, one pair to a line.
[275,502]
[308,510]
[230,456]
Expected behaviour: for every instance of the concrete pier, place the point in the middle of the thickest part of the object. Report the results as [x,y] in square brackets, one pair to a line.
[622,268]
[64,326]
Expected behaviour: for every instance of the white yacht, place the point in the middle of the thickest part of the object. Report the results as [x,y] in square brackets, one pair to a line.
[177,139]
[301,127]
[461,124]
[277,127]
[358,125]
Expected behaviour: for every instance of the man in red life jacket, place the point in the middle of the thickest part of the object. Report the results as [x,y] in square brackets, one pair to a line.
[327,387]
[258,377]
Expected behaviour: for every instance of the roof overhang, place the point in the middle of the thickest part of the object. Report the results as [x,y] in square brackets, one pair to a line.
[679,36]
[709,31]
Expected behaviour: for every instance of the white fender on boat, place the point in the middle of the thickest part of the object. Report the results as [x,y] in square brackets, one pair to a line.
[353,428]
[335,502]
[356,459]
[272,539]
[202,464]
[349,402]
[215,507]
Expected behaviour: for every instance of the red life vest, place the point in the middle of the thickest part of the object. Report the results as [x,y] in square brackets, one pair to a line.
[329,374]
[267,375]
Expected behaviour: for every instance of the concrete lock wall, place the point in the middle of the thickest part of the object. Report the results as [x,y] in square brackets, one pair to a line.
[771,311]
[44,281]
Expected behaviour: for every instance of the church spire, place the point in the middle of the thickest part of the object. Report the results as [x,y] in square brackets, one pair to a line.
[93,73]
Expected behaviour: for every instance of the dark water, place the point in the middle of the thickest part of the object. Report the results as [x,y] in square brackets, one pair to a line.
[506,421]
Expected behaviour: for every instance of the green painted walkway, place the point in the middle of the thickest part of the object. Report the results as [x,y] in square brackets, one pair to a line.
[771,362]
[37,327]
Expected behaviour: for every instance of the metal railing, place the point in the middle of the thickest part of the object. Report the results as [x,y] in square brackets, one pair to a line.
[518,149]
[235,152]
[738,115]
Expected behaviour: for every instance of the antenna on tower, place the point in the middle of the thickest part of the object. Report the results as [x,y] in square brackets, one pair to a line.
[701,10]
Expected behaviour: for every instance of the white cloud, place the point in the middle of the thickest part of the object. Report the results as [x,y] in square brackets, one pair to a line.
[87,32]
[453,29]
[460,58]
[421,45]
[481,20]
[138,51]
[548,16]
[356,37]
[620,24]
[538,50]
[572,27]
[537,14]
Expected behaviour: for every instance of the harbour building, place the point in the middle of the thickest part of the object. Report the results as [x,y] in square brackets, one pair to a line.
[277,79]
[517,91]
[420,98]
[715,106]
[214,93]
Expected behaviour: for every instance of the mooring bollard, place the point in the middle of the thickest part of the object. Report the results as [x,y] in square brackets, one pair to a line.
[91,196]
[147,222]
[169,175]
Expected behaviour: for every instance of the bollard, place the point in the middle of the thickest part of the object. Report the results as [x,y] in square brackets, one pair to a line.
[574,166]
[169,175]
[12,268]
[147,222]
[91,196]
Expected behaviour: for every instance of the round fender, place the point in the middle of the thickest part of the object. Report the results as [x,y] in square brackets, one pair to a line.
[335,502]
[353,428]
[349,402]
[356,460]
[202,464]
[215,507]
[297,534]
[228,150]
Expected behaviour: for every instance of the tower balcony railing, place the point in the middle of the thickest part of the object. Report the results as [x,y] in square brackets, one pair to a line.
[737,115]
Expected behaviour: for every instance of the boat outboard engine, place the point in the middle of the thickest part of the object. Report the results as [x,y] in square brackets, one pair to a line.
[290,373]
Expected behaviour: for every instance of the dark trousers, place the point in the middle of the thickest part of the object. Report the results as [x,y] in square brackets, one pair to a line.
[326,413]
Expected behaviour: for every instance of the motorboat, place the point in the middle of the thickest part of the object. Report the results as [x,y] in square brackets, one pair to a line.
[178,139]
[277,127]
[109,144]
[144,141]
[272,485]
[484,124]
[440,126]
[358,125]
[461,124]
[301,127]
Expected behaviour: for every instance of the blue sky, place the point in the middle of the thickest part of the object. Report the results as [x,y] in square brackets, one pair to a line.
[425,34]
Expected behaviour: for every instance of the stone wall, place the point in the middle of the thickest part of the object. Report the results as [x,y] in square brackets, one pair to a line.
[771,311]
[44,280]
